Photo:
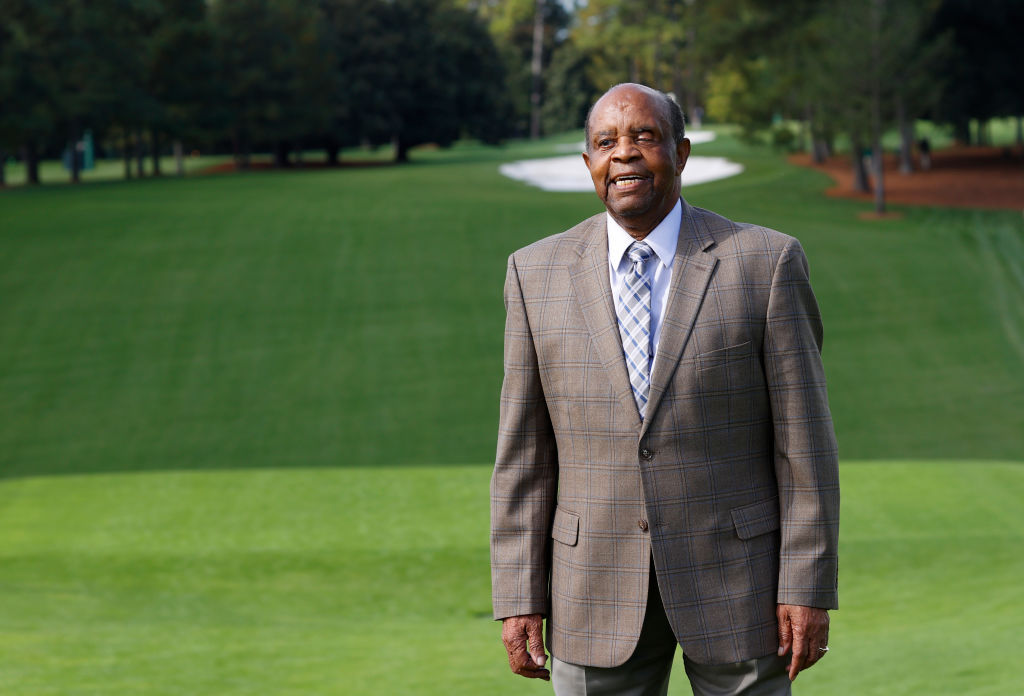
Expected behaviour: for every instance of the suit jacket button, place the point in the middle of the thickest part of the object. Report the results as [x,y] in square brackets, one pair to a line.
[643,525]
[646,454]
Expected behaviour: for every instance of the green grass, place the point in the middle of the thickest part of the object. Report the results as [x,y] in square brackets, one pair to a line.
[53,171]
[246,425]
[374,581]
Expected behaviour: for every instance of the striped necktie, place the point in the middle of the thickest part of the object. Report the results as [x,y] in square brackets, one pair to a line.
[633,309]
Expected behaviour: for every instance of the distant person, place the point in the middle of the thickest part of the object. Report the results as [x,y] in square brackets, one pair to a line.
[925,149]
[666,469]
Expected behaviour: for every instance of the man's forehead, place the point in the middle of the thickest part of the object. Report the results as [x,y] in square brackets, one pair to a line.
[626,99]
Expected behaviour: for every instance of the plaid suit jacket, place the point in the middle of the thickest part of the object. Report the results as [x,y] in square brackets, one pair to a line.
[731,482]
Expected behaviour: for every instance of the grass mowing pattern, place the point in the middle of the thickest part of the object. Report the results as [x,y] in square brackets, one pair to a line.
[329,327]
[374,581]
[339,318]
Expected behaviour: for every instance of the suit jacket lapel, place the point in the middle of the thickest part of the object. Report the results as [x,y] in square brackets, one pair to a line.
[692,268]
[593,291]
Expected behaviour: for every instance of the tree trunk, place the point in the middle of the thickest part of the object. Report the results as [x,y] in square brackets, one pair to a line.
[31,164]
[820,151]
[179,158]
[906,138]
[401,149]
[678,84]
[154,138]
[140,154]
[536,65]
[817,144]
[241,147]
[332,151]
[962,132]
[126,153]
[280,155]
[656,62]
[76,173]
[807,131]
[876,105]
[691,70]
[877,160]
[860,172]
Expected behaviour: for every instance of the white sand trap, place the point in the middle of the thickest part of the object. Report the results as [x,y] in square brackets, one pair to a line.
[568,173]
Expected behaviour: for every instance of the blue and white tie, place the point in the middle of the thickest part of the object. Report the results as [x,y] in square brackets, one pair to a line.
[633,309]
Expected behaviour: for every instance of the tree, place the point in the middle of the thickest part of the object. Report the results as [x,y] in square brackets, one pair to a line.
[445,77]
[878,61]
[272,55]
[983,63]
[527,34]
[180,74]
[568,90]
[28,79]
[361,45]
[102,57]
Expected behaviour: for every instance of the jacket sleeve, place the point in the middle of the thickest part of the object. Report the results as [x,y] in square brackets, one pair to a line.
[805,455]
[525,472]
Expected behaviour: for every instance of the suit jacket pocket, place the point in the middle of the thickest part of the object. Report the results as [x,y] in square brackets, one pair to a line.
[717,358]
[566,527]
[757,518]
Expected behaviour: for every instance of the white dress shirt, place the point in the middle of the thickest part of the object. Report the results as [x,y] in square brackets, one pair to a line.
[662,240]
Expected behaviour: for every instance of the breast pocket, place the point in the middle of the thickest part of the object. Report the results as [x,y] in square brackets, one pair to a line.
[726,368]
[731,391]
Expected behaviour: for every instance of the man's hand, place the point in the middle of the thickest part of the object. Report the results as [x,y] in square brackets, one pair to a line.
[804,630]
[523,637]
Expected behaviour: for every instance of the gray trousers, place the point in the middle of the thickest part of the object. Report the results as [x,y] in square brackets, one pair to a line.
[646,673]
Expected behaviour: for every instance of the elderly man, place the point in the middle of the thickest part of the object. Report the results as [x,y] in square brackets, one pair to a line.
[666,469]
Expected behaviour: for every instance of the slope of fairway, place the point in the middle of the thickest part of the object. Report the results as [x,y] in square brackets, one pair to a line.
[225,400]
[375,581]
[354,317]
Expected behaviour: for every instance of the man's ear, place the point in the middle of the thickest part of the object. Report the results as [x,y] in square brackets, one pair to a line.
[682,154]
[586,159]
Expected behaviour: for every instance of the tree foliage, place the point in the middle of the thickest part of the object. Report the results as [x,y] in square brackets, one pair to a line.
[289,75]
[256,74]
[983,66]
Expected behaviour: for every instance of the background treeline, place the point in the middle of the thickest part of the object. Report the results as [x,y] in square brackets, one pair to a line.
[287,76]
[244,75]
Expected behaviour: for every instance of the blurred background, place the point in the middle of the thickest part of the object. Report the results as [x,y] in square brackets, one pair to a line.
[251,267]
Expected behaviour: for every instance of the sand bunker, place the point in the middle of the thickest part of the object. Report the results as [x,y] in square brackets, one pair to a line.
[568,173]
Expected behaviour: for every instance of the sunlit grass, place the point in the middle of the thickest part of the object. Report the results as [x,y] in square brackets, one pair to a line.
[247,421]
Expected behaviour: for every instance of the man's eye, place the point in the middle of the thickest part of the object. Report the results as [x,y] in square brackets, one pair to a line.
[604,143]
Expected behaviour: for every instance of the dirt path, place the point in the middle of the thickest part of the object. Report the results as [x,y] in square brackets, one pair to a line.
[968,177]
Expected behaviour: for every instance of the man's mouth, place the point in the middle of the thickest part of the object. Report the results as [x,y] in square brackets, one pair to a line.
[628,181]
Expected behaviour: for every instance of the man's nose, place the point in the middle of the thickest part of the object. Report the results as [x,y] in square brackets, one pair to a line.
[625,150]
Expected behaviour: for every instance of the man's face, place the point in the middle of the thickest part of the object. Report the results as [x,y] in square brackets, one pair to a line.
[632,159]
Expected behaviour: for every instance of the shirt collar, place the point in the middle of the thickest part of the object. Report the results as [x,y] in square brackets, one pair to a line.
[662,239]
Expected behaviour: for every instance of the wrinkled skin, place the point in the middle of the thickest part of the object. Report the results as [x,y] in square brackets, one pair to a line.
[803,631]
[631,136]
[523,637]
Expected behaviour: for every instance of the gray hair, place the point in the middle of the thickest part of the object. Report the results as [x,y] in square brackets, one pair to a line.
[676,118]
